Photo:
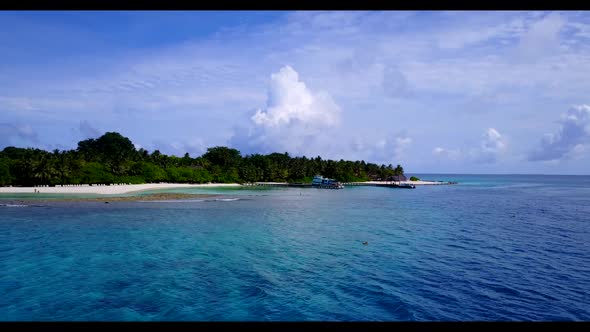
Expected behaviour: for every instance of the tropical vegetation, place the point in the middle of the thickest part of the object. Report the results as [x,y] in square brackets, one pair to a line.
[113,158]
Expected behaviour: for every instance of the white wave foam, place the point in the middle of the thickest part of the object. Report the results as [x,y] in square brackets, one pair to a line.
[227,199]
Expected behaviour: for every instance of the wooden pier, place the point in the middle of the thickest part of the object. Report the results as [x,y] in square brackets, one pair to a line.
[267,184]
[387,184]
[279,184]
[397,184]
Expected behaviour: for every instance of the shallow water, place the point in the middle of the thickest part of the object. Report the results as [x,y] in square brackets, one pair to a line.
[489,248]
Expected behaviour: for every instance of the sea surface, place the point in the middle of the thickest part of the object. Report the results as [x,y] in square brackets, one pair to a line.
[491,248]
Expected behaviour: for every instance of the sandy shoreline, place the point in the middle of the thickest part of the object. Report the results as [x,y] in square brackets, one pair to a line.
[110,190]
[142,198]
[130,188]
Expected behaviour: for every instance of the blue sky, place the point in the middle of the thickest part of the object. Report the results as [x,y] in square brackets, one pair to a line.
[447,92]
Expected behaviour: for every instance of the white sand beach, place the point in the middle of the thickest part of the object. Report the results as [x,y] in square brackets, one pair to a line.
[109,190]
[118,189]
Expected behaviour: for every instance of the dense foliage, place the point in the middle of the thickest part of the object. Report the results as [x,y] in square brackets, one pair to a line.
[112,158]
[413,178]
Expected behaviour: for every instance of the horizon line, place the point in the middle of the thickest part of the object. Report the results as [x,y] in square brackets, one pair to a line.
[428,173]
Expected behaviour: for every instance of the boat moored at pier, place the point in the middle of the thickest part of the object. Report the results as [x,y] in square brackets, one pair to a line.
[325,183]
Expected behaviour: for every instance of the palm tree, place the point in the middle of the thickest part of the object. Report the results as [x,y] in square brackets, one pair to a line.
[143,154]
[63,165]
[44,168]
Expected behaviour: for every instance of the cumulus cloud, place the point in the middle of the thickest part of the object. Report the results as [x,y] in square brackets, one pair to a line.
[23,132]
[295,119]
[570,140]
[290,101]
[492,145]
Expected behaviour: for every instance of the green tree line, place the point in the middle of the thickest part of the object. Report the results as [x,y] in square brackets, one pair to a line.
[112,158]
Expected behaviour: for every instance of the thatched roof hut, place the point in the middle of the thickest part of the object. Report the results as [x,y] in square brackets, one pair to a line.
[397,178]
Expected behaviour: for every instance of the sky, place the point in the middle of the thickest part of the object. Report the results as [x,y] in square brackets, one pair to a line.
[498,92]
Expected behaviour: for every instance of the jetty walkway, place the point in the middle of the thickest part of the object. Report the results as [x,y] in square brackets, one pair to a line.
[397,183]
[390,184]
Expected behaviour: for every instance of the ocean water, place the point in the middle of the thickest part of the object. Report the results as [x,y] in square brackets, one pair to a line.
[492,248]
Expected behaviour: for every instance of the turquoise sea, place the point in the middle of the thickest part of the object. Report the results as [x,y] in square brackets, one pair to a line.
[491,248]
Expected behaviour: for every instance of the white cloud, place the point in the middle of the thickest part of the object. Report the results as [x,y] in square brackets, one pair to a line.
[493,141]
[570,140]
[491,147]
[290,101]
[294,120]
